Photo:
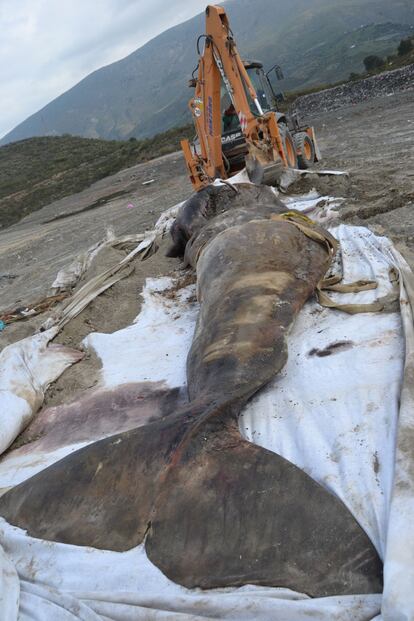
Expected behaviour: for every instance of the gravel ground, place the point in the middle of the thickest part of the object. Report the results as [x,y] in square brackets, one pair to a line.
[384,84]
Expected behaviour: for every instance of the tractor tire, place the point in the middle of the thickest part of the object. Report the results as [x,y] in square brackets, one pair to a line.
[305,145]
[289,146]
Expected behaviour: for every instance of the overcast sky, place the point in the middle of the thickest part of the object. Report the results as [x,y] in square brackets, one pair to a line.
[47,46]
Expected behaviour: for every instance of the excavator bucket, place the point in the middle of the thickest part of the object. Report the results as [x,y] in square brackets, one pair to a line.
[264,165]
[262,173]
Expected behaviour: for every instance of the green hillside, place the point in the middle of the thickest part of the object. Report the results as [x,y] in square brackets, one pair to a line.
[36,171]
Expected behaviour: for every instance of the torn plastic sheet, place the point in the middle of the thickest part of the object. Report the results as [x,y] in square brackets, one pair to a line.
[92,288]
[167,323]
[290,175]
[308,202]
[398,600]
[26,370]
[343,407]
[70,275]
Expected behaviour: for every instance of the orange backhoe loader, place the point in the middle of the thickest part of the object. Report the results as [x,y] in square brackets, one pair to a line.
[236,117]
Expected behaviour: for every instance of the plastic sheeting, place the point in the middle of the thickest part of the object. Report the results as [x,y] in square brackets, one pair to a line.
[26,370]
[63,583]
[69,275]
[398,600]
[164,330]
[333,411]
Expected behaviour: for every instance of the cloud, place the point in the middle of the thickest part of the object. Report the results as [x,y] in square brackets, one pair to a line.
[47,46]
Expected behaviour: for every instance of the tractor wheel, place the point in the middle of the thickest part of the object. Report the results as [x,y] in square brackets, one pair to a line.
[305,145]
[288,146]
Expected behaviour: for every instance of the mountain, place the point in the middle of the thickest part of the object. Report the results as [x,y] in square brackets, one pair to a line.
[315,41]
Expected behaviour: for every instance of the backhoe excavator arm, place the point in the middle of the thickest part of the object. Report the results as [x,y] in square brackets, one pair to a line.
[220,61]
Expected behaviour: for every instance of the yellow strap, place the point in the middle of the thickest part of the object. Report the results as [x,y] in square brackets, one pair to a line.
[305,224]
[293,215]
[351,309]
[351,287]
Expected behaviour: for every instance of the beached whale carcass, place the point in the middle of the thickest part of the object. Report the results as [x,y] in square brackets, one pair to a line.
[213,509]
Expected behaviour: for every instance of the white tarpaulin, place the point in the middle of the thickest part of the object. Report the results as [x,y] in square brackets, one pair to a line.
[333,411]
[27,368]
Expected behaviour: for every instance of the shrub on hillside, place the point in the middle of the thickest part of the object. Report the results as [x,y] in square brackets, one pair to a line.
[373,62]
[406,45]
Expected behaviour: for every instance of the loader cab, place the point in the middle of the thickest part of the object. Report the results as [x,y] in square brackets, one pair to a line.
[234,146]
[261,85]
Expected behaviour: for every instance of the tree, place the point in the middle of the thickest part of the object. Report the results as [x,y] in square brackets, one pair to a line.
[373,62]
[406,45]
[354,76]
